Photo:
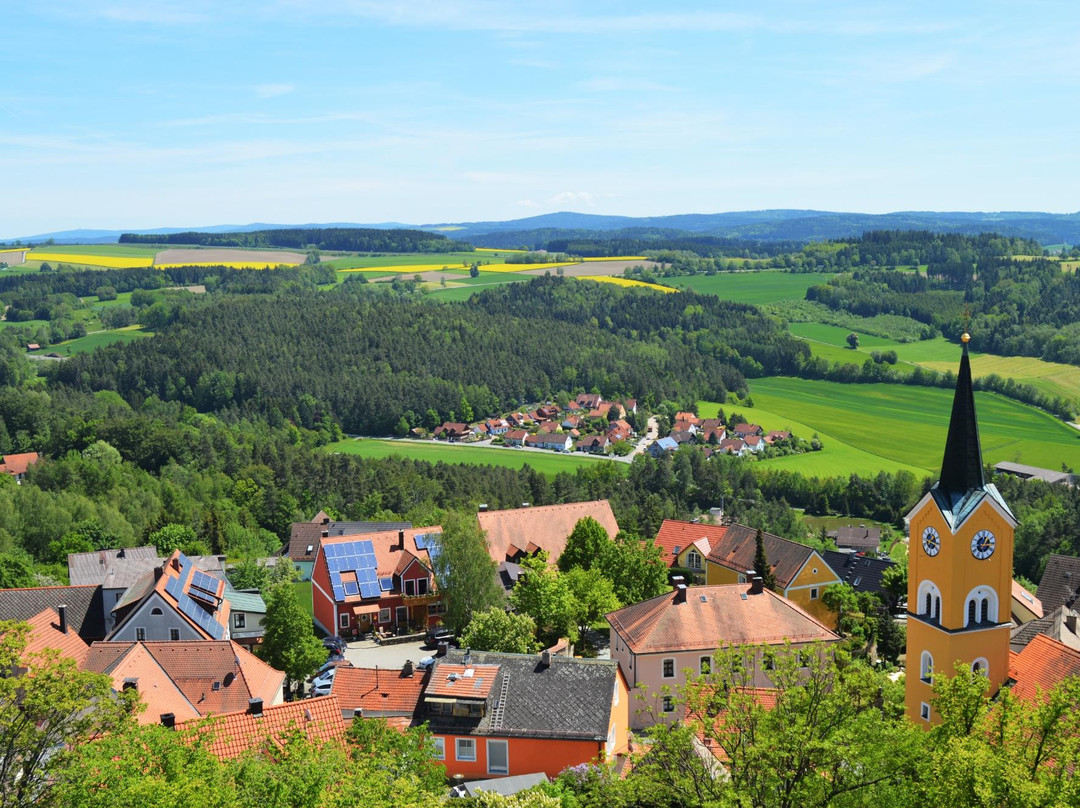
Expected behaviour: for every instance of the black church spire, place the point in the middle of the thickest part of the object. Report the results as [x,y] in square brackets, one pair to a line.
[962,467]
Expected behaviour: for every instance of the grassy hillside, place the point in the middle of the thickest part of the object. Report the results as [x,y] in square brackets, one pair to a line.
[752,287]
[904,427]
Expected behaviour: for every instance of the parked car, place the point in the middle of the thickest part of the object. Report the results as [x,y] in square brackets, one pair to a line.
[322,683]
[330,664]
[425,663]
[437,635]
[335,645]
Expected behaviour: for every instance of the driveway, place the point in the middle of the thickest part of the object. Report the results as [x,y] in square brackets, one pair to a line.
[366,654]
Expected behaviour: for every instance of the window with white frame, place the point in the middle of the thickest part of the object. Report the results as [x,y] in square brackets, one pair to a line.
[440,748]
[156,611]
[239,620]
[465,749]
[981,665]
[693,560]
[669,668]
[421,586]
[410,587]
[924,711]
[926,666]
[813,593]
[140,633]
[498,757]
[668,704]
[384,615]
[343,620]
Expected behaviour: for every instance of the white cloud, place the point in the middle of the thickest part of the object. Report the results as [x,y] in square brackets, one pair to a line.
[273,90]
[574,198]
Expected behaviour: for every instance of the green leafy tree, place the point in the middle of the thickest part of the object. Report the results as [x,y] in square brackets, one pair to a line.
[594,593]
[15,572]
[853,340]
[403,755]
[544,594]
[499,630]
[52,706]
[634,567]
[761,562]
[894,581]
[464,571]
[173,537]
[585,545]
[289,642]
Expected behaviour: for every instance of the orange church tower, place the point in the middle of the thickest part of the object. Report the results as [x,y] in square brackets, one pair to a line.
[960,559]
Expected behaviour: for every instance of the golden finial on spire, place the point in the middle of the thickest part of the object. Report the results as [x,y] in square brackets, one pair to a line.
[965,337]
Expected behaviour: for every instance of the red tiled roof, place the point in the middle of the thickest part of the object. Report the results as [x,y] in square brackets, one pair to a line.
[674,534]
[714,616]
[378,691]
[455,681]
[546,526]
[17,464]
[389,559]
[231,735]
[1042,664]
[1029,601]
[45,633]
[737,547]
[124,661]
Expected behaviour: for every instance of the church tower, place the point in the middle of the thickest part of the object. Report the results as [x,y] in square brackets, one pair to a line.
[960,559]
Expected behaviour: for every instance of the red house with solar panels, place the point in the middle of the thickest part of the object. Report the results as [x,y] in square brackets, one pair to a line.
[375,581]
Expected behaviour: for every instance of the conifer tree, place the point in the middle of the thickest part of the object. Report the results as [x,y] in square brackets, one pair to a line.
[761,562]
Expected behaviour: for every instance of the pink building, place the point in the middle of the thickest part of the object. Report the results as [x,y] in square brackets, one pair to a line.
[655,642]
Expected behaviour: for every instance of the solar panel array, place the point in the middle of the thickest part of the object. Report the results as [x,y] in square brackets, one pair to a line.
[386,584]
[357,557]
[201,617]
[424,540]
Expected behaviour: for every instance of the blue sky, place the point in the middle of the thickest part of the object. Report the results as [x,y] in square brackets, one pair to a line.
[125,114]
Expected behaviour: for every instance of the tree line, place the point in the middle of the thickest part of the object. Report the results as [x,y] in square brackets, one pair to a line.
[347,239]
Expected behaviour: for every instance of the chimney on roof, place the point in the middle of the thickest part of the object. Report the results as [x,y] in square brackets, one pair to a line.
[122,553]
[407,669]
[168,720]
[545,658]
[757,585]
[1070,622]
[61,611]
[525,504]
[255,707]
[401,539]
[483,507]
[680,593]
[157,573]
[101,558]
[467,659]
[325,534]
[131,683]
[326,520]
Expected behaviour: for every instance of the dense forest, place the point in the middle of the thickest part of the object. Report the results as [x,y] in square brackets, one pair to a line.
[349,239]
[368,359]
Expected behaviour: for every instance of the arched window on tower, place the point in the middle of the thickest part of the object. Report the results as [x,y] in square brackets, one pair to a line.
[926,666]
[928,601]
[980,665]
[982,607]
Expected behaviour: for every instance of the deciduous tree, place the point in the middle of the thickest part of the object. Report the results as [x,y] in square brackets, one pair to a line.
[499,630]
[464,571]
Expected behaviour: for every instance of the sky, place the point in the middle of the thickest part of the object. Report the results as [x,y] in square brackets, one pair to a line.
[134,114]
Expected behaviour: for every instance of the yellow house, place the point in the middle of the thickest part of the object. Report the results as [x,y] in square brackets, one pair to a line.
[801,573]
[959,566]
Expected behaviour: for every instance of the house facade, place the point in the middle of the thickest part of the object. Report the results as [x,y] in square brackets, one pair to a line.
[801,572]
[375,581]
[498,715]
[657,641]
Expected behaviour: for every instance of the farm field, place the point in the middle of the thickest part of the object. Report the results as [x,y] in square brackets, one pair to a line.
[905,426]
[626,282]
[752,287]
[98,339]
[118,250]
[89,259]
[212,256]
[432,260]
[549,463]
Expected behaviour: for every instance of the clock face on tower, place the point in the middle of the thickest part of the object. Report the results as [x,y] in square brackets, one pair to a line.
[982,546]
[931,541]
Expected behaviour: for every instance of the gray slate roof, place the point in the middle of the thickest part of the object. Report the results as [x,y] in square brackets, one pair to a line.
[112,569]
[1060,583]
[570,699]
[1055,625]
[309,534]
[85,611]
[862,573]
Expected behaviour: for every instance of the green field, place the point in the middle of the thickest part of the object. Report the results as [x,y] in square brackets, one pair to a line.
[117,250]
[549,463]
[98,339]
[769,286]
[901,427]
[453,260]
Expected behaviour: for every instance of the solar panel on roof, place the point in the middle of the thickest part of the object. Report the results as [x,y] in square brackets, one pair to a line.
[352,588]
[199,615]
[174,588]
[206,583]
[421,541]
[339,593]
[369,590]
[386,584]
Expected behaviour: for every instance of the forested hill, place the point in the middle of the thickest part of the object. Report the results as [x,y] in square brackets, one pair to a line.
[330,238]
[368,359]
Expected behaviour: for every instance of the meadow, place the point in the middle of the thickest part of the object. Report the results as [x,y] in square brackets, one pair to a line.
[99,339]
[549,463]
[752,287]
[901,427]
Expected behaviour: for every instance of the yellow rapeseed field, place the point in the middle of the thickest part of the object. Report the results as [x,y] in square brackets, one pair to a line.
[626,282]
[110,261]
[619,258]
[522,267]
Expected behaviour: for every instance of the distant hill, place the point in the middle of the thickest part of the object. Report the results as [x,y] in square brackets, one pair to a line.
[758,225]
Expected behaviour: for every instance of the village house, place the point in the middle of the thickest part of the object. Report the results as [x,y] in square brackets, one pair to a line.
[1061,625]
[658,448]
[496,715]
[114,571]
[386,693]
[619,430]
[17,464]
[571,422]
[655,642]
[686,545]
[549,427]
[862,573]
[594,444]
[452,431]
[515,437]
[1060,583]
[754,443]
[50,631]
[552,441]
[496,426]
[174,601]
[629,405]
[187,680]
[247,610]
[687,417]
[80,605]
[682,436]
[745,430]
[801,573]
[375,581]
[1024,606]
[711,433]
[517,419]
[774,435]
[521,532]
[589,401]
[682,425]
[601,410]
[260,726]
[733,446]
[304,537]
[862,539]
